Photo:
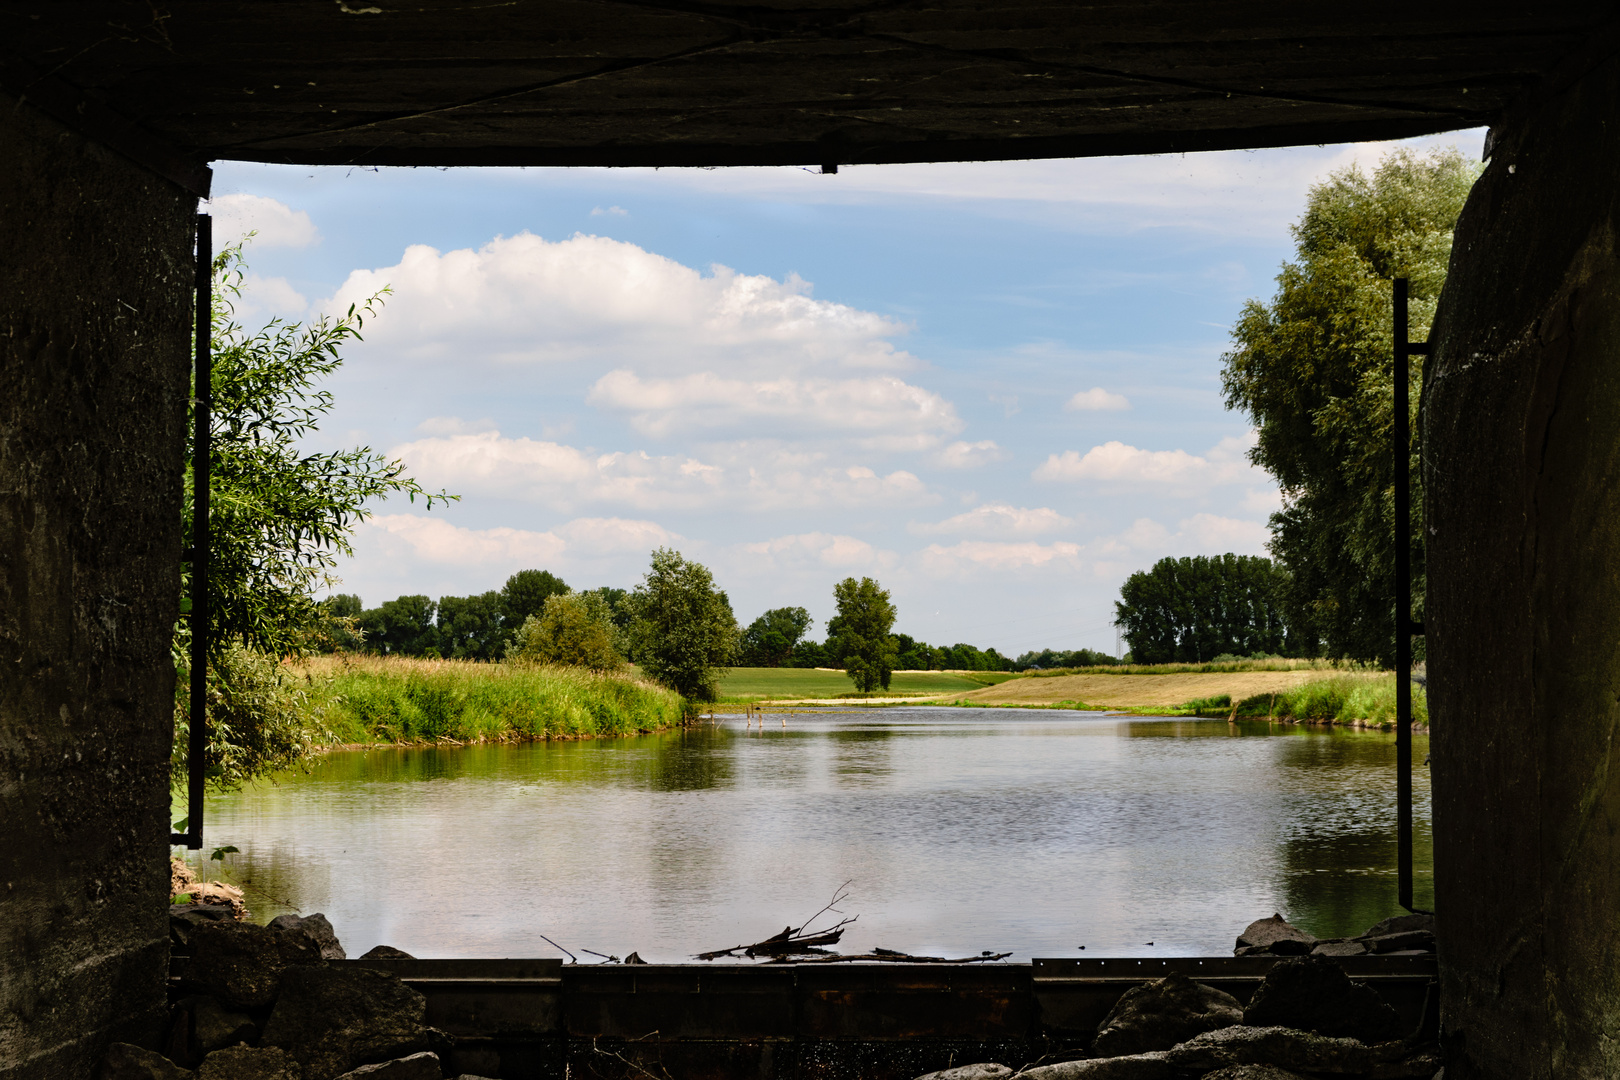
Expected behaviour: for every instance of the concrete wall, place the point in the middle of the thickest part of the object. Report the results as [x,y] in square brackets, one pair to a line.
[94,356]
[1522,473]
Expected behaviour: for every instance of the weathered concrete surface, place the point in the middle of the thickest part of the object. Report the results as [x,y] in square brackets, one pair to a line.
[94,343]
[1522,474]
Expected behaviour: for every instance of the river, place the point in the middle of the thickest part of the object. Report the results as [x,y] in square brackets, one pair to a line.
[957,830]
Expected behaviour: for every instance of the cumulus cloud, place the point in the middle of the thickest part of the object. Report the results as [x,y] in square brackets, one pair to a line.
[1097,400]
[970,557]
[276,223]
[427,541]
[613,211]
[1116,464]
[813,551]
[998,519]
[887,411]
[749,477]
[970,455]
[535,303]
[264,297]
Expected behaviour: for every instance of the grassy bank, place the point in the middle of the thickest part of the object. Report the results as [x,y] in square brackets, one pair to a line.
[362,699]
[785,684]
[1272,663]
[1342,700]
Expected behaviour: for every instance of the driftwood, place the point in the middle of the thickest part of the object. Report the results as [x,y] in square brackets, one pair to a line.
[794,941]
[890,956]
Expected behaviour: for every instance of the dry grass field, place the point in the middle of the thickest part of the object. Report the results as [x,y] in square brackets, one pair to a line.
[1142,691]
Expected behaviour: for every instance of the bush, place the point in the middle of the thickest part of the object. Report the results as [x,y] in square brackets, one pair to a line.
[574,629]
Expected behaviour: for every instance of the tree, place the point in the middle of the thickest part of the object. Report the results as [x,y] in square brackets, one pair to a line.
[1195,609]
[401,627]
[575,629]
[682,628]
[279,519]
[1314,370]
[769,639]
[471,627]
[525,594]
[858,636]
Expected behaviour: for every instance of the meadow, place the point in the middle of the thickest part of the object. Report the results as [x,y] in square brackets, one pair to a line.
[370,699]
[744,684]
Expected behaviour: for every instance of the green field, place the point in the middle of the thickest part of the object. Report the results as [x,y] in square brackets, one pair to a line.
[775,684]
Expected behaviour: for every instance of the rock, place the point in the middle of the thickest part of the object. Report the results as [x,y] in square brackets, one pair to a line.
[423,1066]
[1340,948]
[183,917]
[1401,924]
[249,1063]
[986,1071]
[1275,936]
[1312,993]
[387,952]
[242,964]
[123,1061]
[319,930]
[1133,1067]
[1252,1072]
[333,1019]
[1421,1066]
[1278,1046]
[1160,1014]
[214,1027]
[1414,940]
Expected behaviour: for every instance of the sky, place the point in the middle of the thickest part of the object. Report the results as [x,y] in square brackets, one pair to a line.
[993,387]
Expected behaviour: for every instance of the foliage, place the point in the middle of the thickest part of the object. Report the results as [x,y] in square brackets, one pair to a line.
[279,518]
[1195,609]
[858,636]
[682,629]
[471,627]
[1058,658]
[1342,699]
[260,719]
[396,699]
[574,629]
[525,593]
[783,683]
[403,626]
[770,639]
[1314,369]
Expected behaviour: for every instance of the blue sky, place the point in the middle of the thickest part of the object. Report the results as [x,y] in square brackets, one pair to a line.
[993,387]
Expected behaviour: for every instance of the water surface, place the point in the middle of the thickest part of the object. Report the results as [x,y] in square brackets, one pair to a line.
[1034,832]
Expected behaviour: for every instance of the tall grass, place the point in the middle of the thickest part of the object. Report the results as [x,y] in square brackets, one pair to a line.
[1367,699]
[398,699]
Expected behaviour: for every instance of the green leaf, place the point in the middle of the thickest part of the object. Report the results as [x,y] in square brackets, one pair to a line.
[220,852]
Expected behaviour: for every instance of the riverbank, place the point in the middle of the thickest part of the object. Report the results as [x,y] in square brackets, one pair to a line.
[368,700]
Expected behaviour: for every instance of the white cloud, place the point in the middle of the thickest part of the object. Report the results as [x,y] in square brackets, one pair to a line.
[813,551]
[970,455]
[276,223]
[264,297]
[751,477]
[888,411]
[1097,400]
[980,556]
[614,211]
[435,540]
[998,519]
[423,543]
[530,302]
[1117,465]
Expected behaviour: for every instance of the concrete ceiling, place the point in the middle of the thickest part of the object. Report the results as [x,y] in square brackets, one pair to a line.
[671,82]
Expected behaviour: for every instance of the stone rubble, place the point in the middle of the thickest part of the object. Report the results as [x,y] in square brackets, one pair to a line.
[1312,993]
[1163,1013]
[1401,935]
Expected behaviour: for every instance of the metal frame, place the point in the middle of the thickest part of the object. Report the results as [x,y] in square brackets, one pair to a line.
[201,466]
[1405,627]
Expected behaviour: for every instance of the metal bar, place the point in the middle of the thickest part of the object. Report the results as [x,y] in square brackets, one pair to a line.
[1403,601]
[201,465]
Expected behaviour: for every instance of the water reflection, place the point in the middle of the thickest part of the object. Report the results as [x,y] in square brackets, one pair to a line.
[960,830]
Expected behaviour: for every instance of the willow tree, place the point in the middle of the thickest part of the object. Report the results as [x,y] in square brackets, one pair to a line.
[1314,369]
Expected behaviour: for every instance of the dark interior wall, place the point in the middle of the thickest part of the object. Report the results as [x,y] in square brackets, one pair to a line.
[1522,473]
[94,357]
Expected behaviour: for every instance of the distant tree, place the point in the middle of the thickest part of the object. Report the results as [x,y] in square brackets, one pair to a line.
[525,594]
[336,625]
[858,636]
[575,629]
[769,639]
[1314,370]
[471,627]
[683,630]
[912,655]
[1195,609]
[1047,659]
[809,654]
[401,627]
